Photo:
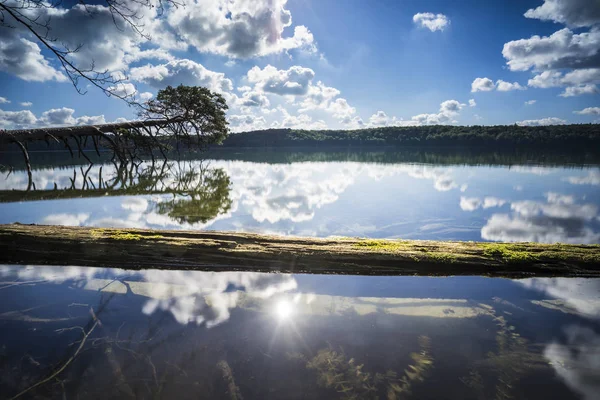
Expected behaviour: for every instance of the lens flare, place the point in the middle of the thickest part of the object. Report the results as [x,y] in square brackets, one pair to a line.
[284,309]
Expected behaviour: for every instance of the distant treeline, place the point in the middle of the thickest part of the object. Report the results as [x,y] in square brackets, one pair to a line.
[556,136]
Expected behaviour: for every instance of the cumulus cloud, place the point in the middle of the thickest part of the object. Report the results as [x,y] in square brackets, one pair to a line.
[576,361]
[145,96]
[562,49]
[578,293]
[542,122]
[4,100]
[300,121]
[181,72]
[487,85]
[577,82]
[54,117]
[503,86]
[579,90]
[123,89]
[433,22]
[473,203]
[472,103]
[559,219]
[530,102]
[135,204]
[26,104]
[575,13]
[295,84]
[239,29]
[66,219]
[482,85]
[17,119]
[589,111]
[23,59]
[246,122]
[592,178]
[448,110]
[293,81]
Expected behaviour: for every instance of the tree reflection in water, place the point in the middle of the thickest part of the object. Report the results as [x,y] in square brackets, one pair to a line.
[206,197]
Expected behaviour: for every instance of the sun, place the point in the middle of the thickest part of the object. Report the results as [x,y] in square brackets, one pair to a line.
[284,309]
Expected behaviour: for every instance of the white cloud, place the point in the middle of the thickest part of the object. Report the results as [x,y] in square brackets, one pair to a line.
[589,111]
[469,203]
[135,204]
[17,119]
[123,89]
[576,361]
[433,22]
[238,28]
[473,203]
[559,219]
[293,81]
[296,86]
[448,110]
[23,58]
[542,122]
[26,104]
[487,85]
[504,86]
[472,103]
[300,121]
[576,13]
[562,49]
[181,72]
[451,107]
[530,102]
[4,100]
[53,117]
[145,96]
[58,116]
[579,90]
[482,85]
[580,81]
[592,178]
[242,123]
[66,219]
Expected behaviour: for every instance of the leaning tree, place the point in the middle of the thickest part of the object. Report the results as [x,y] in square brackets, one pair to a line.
[186,116]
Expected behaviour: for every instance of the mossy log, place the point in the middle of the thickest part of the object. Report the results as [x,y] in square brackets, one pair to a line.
[230,251]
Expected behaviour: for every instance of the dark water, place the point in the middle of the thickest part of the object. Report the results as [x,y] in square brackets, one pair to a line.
[430,196]
[203,335]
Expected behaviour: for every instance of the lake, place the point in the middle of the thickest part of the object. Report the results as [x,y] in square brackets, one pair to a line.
[114,333]
[441,196]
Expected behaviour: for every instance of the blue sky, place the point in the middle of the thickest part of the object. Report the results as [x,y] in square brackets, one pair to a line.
[323,64]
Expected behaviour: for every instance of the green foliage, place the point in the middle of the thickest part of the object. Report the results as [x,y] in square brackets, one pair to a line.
[382,245]
[209,199]
[196,115]
[558,136]
[441,257]
[119,234]
[508,253]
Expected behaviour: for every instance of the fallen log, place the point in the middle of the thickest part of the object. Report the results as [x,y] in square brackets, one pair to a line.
[229,251]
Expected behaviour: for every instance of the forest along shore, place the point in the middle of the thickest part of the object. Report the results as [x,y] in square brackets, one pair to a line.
[221,251]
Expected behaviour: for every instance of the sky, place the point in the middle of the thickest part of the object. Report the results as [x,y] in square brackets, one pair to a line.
[317,64]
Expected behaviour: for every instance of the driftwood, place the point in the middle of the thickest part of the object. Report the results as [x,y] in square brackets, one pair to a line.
[230,251]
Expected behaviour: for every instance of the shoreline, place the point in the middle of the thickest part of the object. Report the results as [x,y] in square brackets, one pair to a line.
[232,251]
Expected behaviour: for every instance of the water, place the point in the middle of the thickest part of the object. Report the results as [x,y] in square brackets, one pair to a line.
[379,195]
[186,334]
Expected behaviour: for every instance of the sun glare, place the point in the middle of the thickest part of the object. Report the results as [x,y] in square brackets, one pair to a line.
[284,309]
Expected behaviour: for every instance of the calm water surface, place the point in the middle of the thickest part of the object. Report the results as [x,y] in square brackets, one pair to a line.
[395,199]
[201,335]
